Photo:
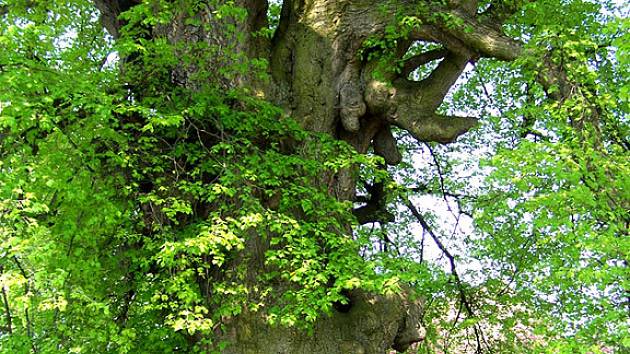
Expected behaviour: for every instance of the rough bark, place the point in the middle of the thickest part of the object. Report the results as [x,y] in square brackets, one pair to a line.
[320,80]
[373,324]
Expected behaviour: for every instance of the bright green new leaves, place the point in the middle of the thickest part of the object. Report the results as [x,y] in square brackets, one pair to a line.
[60,212]
[554,215]
[128,213]
[563,231]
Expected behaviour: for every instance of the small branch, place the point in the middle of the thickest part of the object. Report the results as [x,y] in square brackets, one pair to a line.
[440,175]
[458,315]
[27,289]
[478,339]
[4,9]
[7,308]
[512,278]
[451,258]
[458,197]
[423,188]
[485,90]
[422,239]
[123,316]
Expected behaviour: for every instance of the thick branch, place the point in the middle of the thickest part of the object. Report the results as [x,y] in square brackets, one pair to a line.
[434,88]
[484,39]
[437,128]
[412,105]
[419,60]
[405,107]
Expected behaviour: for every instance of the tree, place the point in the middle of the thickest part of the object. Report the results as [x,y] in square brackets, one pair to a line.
[235,176]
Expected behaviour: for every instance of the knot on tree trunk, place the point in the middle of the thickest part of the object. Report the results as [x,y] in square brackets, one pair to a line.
[410,330]
[352,106]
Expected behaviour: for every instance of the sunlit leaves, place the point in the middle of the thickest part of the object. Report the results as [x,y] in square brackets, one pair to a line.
[126,209]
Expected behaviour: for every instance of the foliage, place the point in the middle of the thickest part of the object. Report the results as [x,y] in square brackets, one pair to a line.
[129,197]
[119,208]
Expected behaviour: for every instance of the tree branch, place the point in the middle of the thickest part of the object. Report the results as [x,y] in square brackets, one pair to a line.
[4,9]
[421,59]
[434,88]
[483,39]
[375,209]
[438,168]
[463,298]
[434,128]
[445,251]
[411,105]
[423,188]
[7,308]
[384,144]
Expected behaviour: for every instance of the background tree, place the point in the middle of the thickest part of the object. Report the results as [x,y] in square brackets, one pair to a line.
[245,176]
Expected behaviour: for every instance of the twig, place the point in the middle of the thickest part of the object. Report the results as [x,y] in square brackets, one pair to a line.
[27,289]
[451,259]
[7,308]
[441,177]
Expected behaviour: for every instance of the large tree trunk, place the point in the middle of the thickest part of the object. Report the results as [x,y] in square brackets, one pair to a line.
[374,324]
[320,80]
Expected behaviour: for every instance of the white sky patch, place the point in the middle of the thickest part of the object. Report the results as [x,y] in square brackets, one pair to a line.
[111,61]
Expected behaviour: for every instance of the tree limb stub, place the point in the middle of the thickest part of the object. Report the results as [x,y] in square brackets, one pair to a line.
[384,144]
[375,208]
